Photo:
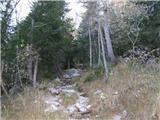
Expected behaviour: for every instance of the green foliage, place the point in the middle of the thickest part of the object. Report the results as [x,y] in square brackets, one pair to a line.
[51,37]
[90,77]
[150,35]
[120,26]
[52,34]
[94,74]
[98,71]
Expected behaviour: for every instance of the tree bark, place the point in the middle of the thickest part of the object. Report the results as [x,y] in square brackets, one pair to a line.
[103,53]
[35,72]
[108,41]
[99,50]
[68,64]
[90,44]
[58,70]
[29,48]
[1,81]
[29,64]
[5,91]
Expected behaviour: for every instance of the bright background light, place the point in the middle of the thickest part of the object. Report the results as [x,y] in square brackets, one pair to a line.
[24,7]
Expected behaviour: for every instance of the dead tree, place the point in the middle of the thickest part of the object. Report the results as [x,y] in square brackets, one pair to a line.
[108,39]
[90,43]
[103,51]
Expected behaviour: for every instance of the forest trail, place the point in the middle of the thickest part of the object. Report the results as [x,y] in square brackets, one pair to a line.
[74,98]
[81,107]
[62,99]
[58,95]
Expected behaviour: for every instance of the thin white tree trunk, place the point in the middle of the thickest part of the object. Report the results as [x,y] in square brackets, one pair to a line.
[103,53]
[99,50]
[35,72]
[108,41]
[90,44]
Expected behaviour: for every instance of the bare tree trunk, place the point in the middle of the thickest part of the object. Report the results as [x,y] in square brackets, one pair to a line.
[59,71]
[68,64]
[103,53]
[99,50]
[108,41]
[56,68]
[90,44]
[5,91]
[29,64]
[18,75]
[20,78]
[95,49]
[1,81]
[35,72]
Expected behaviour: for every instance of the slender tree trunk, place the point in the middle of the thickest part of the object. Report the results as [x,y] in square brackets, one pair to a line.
[99,50]
[1,81]
[35,72]
[29,64]
[5,91]
[103,53]
[94,50]
[20,78]
[30,61]
[108,41]
[68,64]
[18,75]
[90,44]
[59,71]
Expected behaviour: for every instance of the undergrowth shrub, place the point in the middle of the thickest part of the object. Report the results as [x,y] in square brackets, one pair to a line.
[94,74]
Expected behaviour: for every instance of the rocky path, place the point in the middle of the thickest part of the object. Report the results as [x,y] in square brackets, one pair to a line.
[81,106]
[54,101]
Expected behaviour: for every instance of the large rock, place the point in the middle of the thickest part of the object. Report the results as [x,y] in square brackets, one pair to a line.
[71,73]
[59,89]
[72,109]
[81,106]
[54,103]
[83,100]
[54,91]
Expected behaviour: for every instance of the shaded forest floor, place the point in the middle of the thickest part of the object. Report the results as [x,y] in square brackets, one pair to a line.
[132,92]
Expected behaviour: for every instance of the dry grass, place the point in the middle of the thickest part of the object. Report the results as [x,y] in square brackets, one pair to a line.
[137,91]
[137,88]
[156,109]
[28,106]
